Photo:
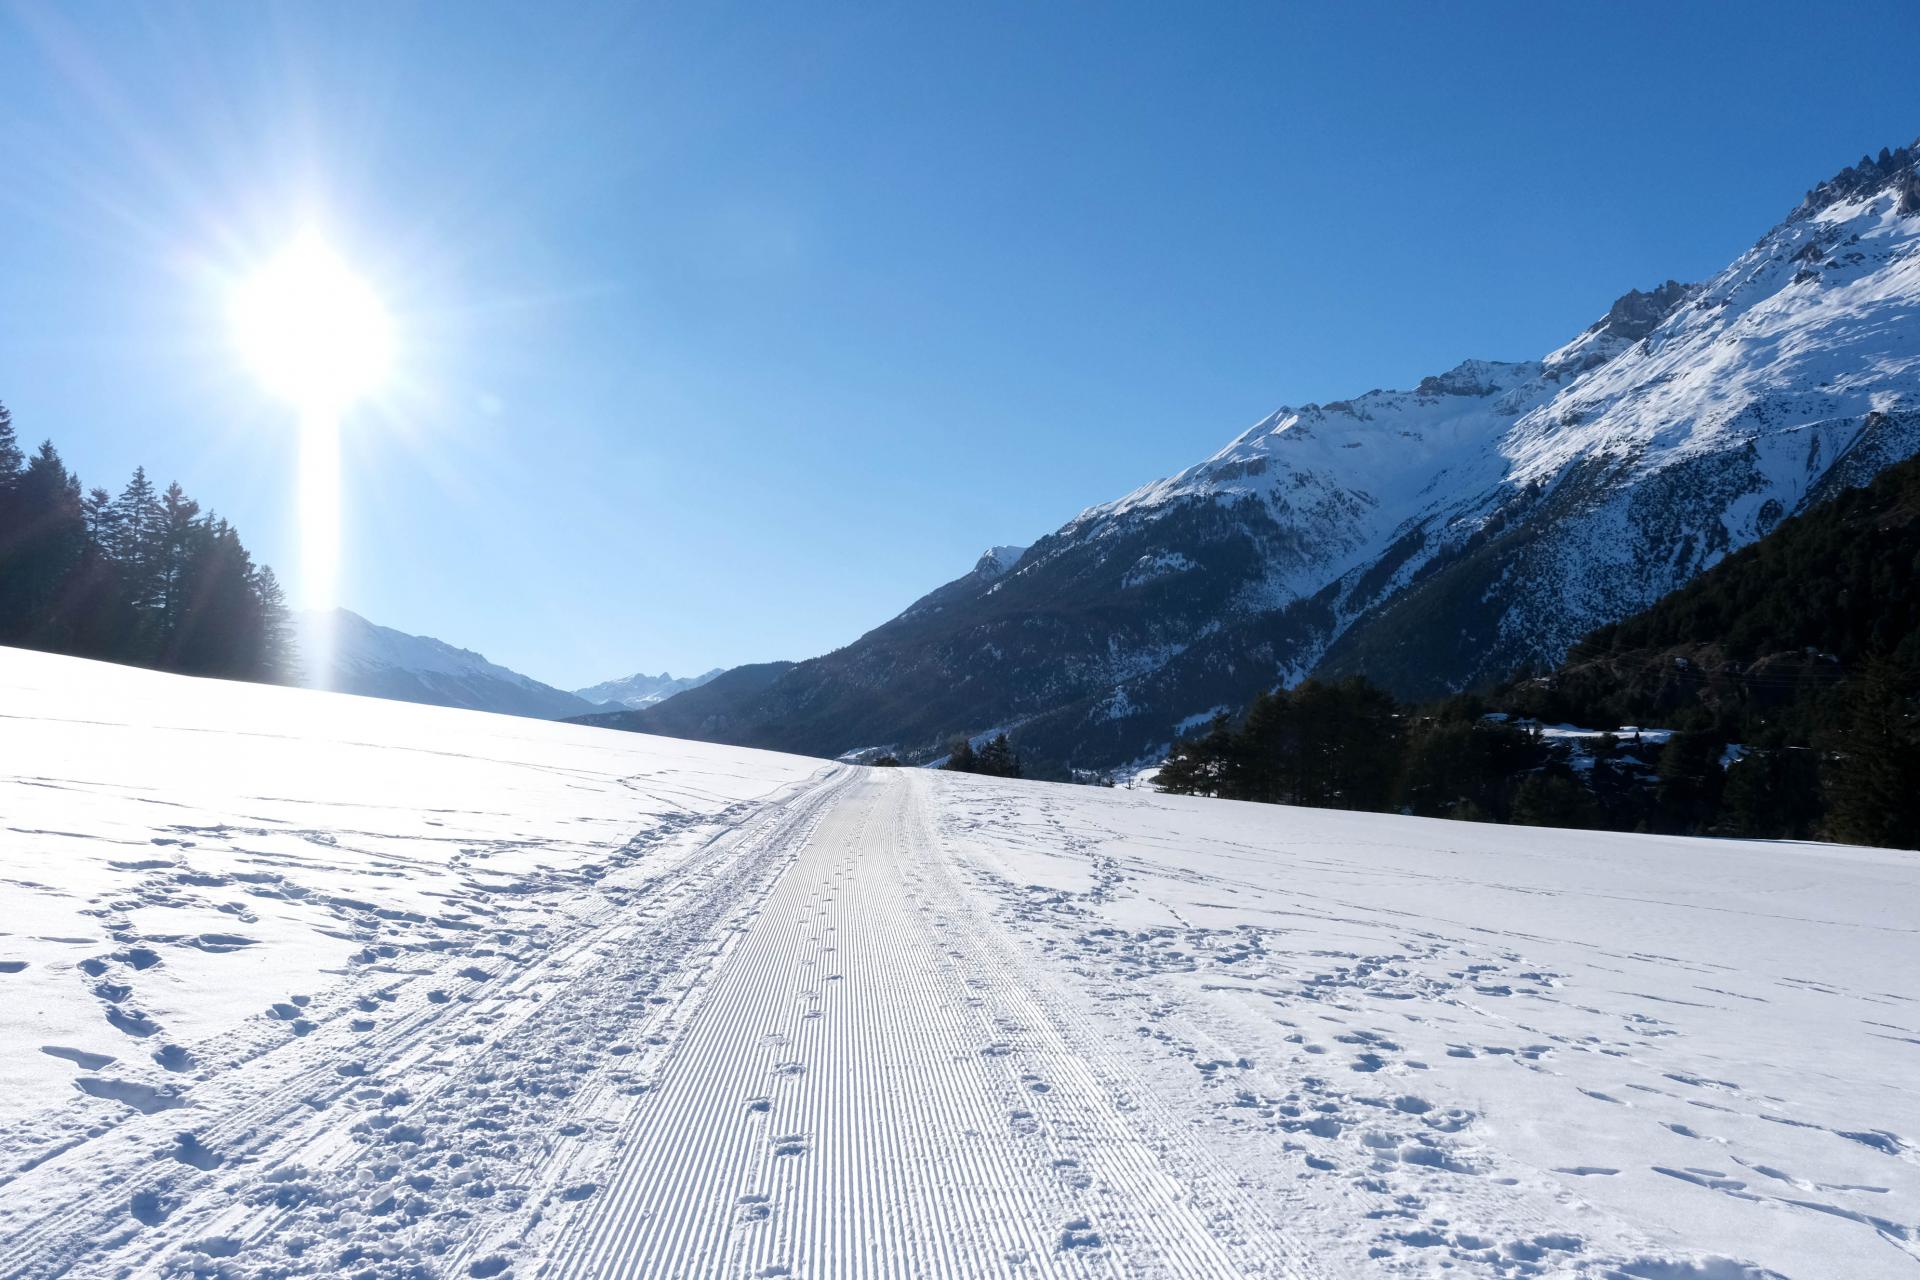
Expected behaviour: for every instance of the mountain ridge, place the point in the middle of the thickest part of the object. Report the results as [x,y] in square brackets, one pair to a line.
[382,662]
[642,690]
[1434,538]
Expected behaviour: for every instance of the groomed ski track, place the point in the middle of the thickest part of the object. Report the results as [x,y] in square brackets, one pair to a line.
[870,1089]
[799,1052]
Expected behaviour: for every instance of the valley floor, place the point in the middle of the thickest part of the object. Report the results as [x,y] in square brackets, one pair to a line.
[300,984]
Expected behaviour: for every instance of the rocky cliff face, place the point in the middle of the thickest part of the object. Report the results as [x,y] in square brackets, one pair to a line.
[1433,538]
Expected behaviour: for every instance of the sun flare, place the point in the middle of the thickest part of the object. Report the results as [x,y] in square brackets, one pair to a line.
[312,329]
[317,335]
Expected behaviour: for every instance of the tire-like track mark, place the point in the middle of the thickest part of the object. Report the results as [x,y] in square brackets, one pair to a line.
[872,1089]
[301,1187]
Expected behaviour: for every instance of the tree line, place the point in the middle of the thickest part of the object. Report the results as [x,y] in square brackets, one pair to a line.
[142,576]
[997,759]
[1788,675]
[1351,746]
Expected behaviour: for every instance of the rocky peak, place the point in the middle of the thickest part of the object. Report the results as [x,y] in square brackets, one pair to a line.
[1475,378]
[995,561]
[1892,168]
[1634,314]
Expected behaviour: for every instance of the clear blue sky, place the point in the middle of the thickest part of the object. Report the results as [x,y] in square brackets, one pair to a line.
[729,330]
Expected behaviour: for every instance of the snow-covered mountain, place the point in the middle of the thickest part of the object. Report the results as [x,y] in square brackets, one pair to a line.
[383,663]
[995,561]
[642,690]
[1431,538]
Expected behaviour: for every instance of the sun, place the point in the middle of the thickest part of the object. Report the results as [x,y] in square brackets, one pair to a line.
[312,329]
[317,335]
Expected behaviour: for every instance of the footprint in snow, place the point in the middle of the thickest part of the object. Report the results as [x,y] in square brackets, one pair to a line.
[148,1208]
[172,1057]
[1078,1234]
[131,1021]
[188,1149]
[143,1098]
[78,1057]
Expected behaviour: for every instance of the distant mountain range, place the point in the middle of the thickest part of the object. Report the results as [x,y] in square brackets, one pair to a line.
[642,690]
[383,663]
[1434,539]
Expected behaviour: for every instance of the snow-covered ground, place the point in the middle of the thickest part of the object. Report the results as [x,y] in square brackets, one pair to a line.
[297,983]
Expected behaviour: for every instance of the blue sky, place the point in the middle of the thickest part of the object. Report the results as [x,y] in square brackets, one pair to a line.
[729,330]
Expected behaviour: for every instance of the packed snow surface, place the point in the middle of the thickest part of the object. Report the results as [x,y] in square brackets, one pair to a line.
[304,984]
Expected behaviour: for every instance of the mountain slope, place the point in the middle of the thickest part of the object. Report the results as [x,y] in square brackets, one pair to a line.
[1763,640]
[700,712]
[380,662]
[1434,539]
[642,690]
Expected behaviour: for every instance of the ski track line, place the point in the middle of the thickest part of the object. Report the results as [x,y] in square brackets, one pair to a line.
[1077,1036]
[867,1092]
[804,1049]
[283,1128]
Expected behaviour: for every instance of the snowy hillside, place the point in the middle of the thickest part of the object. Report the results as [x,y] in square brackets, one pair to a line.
[380,662]
[297,984]
[1432,538]
[642,690]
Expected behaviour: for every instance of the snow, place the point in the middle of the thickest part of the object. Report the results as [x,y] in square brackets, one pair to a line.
[447,994]
[1683,424]
[1431,1044]
[643,690]
[1158,564]
[1343,477]
[259,843]
[995,561]
[1573,733]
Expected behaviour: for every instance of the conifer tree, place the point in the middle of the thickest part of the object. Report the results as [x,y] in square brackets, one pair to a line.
[11,459]
[137,545]
[998,759]
[1873,772]
[142,577]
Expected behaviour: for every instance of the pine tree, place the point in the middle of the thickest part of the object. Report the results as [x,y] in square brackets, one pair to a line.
[1553,797]
[1688,793]
[11,459]
[279,658]
[177,538]
[1196,766]
[961,758]
[46,544]
[998,759]
[1873,771]
[137,544]
[142,577]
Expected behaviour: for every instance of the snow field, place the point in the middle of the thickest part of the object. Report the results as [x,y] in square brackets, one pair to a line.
[434,993]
